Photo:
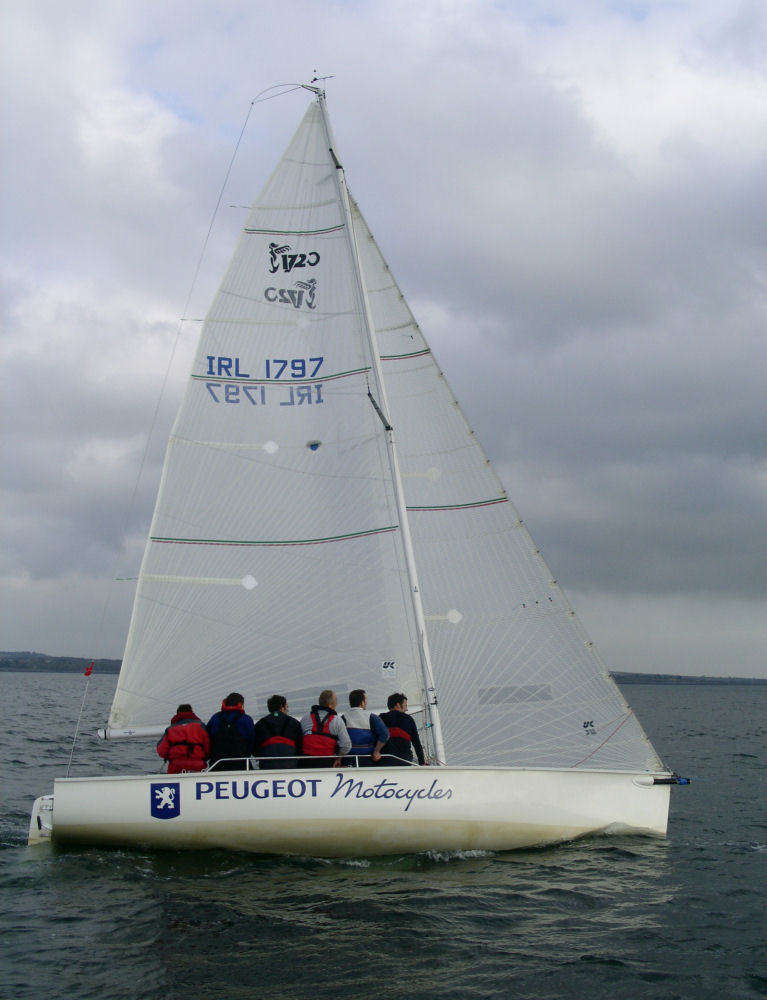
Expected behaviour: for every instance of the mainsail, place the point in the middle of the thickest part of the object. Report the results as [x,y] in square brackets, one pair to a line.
[278,553]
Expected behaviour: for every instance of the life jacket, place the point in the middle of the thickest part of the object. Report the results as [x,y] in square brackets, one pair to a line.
[227,742]
[281,745]
[185,743]
[320,742]
[399,734]
[359,725]
[400,743]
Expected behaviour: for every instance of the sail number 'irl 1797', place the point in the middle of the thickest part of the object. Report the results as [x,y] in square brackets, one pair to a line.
[274,368]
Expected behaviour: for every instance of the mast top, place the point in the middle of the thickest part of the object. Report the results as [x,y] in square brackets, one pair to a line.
[319,91]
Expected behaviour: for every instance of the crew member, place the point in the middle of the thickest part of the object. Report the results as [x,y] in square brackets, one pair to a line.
[403,733]
[325,739]
[366,731]
[185,744]
[231,735]
[277,736]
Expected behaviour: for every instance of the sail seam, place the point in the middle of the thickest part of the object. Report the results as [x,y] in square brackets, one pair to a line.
[274,542]
[281,381]
[462,506]
[401,357]
[292,232]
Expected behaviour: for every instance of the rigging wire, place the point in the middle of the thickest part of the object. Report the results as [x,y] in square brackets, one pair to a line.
[80,715]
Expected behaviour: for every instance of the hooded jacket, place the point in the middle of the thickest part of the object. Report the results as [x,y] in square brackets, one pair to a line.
[231,736]
[185,744]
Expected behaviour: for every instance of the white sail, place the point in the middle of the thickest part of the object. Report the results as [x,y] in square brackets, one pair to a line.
[277,556]
[518,681]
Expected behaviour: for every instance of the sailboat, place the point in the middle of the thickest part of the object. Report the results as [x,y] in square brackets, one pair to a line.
[327,519]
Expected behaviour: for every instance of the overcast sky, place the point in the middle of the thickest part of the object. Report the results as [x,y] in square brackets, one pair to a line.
[572,196]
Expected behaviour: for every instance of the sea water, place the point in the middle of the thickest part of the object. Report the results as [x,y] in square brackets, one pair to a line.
[617,917]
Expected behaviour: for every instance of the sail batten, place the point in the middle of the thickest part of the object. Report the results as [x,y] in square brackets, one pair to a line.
[280,382]
[250,231]
[274,541]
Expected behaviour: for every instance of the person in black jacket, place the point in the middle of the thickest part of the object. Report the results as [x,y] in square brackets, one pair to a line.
[403,734]
[278,736]
[231,736]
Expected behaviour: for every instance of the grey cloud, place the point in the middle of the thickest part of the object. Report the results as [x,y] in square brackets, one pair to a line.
[598,306]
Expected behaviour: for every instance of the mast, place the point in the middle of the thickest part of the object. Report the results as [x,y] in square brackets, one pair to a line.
[381,407]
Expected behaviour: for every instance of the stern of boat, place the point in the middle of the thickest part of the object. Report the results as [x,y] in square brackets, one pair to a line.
[41,821]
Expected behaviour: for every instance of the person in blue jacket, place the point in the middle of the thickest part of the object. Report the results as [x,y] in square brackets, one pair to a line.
[232,734]
[366,731]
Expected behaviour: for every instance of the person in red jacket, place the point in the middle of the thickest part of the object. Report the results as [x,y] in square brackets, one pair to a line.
[325,740]
[186,744]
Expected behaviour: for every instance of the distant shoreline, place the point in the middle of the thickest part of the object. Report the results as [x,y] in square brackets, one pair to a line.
[625,677]
[28,662]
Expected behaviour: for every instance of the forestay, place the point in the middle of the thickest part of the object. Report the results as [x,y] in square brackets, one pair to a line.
[276,557]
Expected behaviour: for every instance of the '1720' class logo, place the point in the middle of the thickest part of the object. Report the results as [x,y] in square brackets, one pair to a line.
[300,296]
[165,801]
[282,258]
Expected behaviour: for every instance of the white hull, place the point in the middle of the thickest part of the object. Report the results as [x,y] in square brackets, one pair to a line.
[351,812]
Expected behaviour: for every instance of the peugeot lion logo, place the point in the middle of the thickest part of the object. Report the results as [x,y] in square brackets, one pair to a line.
[165,800]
